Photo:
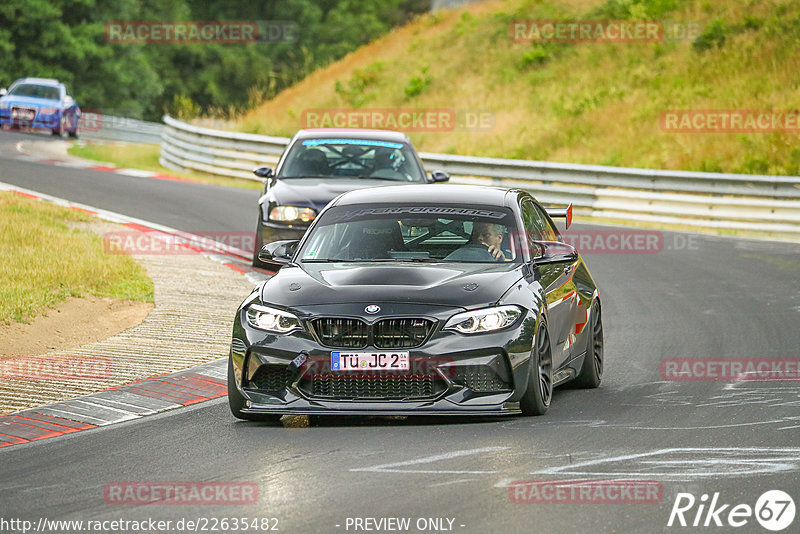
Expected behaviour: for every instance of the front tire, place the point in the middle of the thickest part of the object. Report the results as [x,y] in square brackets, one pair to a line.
[537,397]
[237,402]
[592,369]
[61,131]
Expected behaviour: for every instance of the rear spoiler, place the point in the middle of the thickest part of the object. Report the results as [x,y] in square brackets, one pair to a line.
[561,214]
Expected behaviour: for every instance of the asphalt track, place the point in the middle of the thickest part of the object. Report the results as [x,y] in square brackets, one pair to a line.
[701,296]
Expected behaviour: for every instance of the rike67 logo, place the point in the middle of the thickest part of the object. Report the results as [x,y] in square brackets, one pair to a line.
[774,510]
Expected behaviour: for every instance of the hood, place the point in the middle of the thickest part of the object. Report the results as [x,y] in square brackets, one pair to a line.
[30,101]
[452,285]
[317,192]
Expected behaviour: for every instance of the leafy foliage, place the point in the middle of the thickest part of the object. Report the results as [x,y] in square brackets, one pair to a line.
[66,39]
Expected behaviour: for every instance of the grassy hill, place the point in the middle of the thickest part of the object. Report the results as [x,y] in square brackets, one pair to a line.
[598,103]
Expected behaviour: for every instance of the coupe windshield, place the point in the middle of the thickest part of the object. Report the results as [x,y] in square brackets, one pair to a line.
[38,91]
[360,158]
[413,233]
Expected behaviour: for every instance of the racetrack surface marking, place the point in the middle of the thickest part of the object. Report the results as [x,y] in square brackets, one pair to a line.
[115,405]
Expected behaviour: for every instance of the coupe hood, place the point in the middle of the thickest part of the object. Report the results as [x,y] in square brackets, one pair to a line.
[317,192]
[452,285]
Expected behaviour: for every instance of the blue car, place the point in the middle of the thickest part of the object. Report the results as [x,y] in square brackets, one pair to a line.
[40,103]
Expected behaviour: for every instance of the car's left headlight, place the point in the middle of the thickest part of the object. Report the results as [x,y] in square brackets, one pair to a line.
[484,320]
[48,111]
[272,319]
[292,213]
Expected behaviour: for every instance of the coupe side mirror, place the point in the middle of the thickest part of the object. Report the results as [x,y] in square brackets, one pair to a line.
[3,91]
[264,172]
[554,252]
[278,251]
[440,176]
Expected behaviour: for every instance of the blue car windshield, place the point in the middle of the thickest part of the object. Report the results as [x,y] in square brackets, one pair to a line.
[361,158]
[38,91]
[414,233]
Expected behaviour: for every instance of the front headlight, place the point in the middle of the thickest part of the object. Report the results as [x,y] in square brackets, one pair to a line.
[271,319]
[47,111]
[485,320]
[292,213]
[3,105]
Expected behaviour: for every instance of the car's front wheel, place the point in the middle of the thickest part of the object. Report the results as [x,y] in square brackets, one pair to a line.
[61,130]
[237,402]
[592,370]
[537,397]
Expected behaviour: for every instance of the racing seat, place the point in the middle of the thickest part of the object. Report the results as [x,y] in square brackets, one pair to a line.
[312,162]
[373,240]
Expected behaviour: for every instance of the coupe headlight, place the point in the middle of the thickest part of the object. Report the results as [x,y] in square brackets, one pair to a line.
[485,320]
[292,213]
[48,111]
[3,105]
[271,319]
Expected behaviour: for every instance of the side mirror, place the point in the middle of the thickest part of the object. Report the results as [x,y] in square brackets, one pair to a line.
[440,176]
[264,172]
[3,91]
[278,251]
[554,252]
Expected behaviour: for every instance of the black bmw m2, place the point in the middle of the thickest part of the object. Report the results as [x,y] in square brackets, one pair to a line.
[405,300]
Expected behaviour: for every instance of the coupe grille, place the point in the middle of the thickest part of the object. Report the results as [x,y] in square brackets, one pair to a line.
[342,333]
[385,334]
[401,333]
[271,377]
[353,386]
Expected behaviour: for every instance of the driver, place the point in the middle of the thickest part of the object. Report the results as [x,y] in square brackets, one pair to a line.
[484,244]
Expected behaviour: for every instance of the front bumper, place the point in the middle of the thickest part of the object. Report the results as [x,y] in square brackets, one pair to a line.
[45,122]
[450,373]
[271,232]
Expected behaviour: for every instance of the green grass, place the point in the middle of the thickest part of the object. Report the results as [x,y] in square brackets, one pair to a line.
[593,103]
[44,262]
[145,157]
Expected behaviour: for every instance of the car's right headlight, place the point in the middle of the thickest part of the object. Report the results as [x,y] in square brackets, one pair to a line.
[272,319]
[292,213]
[483,320]
[3,105]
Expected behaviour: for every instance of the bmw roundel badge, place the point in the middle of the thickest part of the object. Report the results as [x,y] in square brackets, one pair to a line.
[372,308]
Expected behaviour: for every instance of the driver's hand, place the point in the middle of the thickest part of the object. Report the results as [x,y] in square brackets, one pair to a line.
[497,253]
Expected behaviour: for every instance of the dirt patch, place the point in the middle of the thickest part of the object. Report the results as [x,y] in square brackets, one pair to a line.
[75,322]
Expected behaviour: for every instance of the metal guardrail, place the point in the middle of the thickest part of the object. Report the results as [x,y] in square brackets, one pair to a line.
[110,128]
[715,200]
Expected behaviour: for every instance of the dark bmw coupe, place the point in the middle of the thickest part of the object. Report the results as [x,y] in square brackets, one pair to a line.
[397,301]
[320,164]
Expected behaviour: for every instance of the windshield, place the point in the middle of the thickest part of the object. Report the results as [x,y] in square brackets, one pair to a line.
[38,91]
[361,158]
[413,233]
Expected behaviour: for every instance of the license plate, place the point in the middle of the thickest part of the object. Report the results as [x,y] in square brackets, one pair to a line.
[22,114]
[369,361]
